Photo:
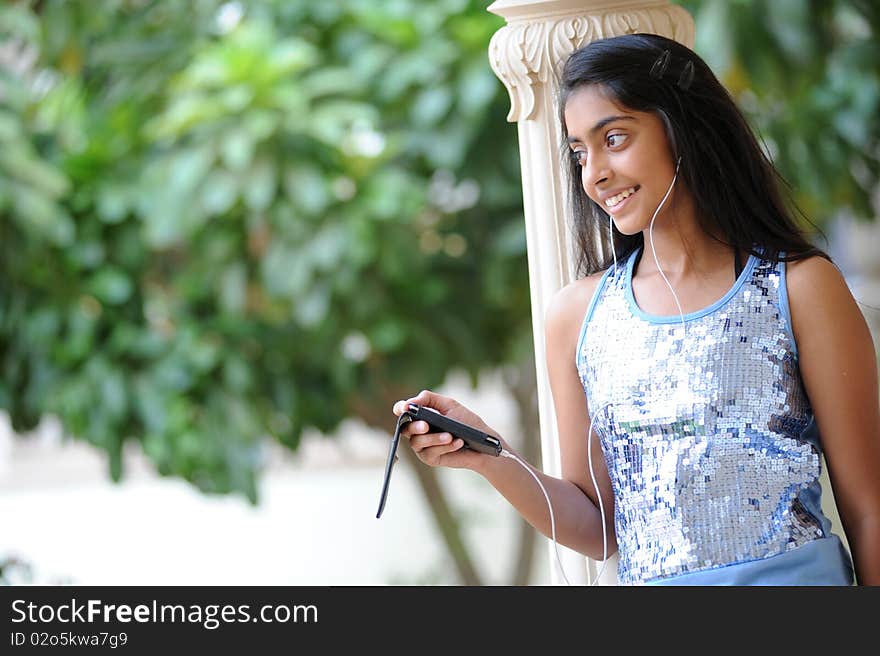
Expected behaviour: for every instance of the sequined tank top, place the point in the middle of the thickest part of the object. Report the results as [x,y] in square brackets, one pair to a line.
[706,429]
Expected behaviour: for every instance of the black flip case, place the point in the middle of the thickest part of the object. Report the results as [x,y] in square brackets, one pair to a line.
[473,438]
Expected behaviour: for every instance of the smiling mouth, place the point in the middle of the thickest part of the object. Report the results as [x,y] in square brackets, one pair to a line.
[615,201]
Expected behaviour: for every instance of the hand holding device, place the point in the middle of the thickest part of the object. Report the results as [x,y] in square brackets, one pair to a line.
[473,439]
[439,423]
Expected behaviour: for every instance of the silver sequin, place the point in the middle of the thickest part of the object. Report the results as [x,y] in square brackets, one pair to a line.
[702,428]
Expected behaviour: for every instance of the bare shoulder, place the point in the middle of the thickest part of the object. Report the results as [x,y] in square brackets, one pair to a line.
[816,285]
[567,308]
[812,271]
[824,312]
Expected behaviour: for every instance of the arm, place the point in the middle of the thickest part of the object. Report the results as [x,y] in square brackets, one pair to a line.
[579,522]
[577,518]
[838,365]
[564,321]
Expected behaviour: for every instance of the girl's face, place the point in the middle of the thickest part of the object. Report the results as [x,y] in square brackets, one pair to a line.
[625,158]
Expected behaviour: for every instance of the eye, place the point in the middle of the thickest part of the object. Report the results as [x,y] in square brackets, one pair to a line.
[579,157]
[616,139]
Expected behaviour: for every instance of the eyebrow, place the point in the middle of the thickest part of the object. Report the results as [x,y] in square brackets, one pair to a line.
[602,123]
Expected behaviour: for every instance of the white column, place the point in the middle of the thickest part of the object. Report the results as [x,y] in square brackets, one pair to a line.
[526,54]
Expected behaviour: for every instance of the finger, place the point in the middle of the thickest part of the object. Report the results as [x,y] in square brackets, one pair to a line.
[428,440]
[433,400]
[456,444]
[415,428]
[419,427]
[435,454]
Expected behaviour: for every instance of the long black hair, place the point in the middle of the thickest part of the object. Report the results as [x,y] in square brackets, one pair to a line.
[736,189]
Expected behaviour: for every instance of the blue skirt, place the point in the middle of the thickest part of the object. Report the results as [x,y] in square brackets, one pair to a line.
[821,562]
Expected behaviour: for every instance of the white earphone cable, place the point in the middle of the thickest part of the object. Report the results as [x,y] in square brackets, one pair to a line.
[611,240]
[599,496]
[508,454]
[654,251]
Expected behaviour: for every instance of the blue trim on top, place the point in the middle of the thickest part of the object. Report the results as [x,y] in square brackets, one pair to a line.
[589,315]
[744,275]
[784,307]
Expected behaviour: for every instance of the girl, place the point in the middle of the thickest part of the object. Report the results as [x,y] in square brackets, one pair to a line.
[714,353]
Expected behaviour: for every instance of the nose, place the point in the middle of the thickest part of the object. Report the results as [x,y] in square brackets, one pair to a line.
[595,172]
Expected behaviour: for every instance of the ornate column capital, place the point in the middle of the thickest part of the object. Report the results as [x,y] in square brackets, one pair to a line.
[540,34]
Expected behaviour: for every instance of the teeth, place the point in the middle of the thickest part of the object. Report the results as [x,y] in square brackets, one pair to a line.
[614,200]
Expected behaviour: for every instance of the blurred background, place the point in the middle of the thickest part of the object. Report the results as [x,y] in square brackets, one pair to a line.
[232,234]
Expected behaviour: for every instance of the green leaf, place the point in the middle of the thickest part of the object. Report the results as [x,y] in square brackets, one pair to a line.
[233,288]
[237,150]
[388,335]
[113,203]
[285,271]
[312,309]
[186,168]
[261,186]
[431,105]
[477,87]
[219,192]
[38,214]
[19,162]
[111,285]
[10,126]
[306,188]
[20,22]
[237,375]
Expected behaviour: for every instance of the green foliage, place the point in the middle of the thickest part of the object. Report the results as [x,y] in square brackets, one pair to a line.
[806,74]
[221,227]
